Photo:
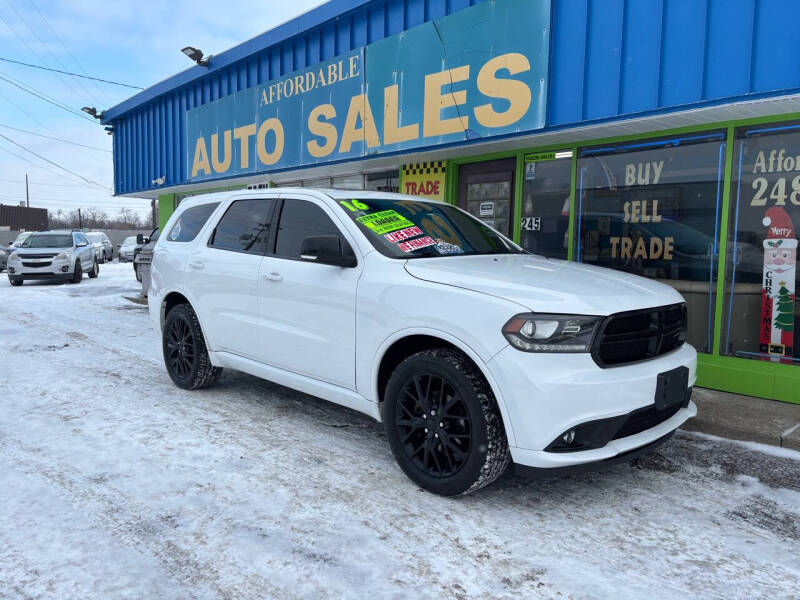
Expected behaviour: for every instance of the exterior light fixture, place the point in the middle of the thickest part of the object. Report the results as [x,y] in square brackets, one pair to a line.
[196,55]
[160,180]
[92,111]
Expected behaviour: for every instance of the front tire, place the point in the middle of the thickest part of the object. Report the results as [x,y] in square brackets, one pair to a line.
[443,423]
[185,353]
[77,274]
[95,270]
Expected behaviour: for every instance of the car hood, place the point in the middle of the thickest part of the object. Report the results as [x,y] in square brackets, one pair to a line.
[546,285]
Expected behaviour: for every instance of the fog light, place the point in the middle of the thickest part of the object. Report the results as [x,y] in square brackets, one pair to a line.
[12,270]
[65,268]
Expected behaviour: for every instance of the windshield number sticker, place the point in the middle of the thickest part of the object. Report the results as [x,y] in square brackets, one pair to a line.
[403,234]
[416,244]
[354,205]
[385,222]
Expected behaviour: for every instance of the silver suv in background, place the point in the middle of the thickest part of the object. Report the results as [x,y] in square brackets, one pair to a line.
[103,249]
[55,256]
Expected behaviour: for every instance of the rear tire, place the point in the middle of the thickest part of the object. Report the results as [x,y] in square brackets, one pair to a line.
[185,353]
[443,423]
[77,275]
[95,271]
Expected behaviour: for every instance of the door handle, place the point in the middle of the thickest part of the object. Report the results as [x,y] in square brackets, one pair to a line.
[196,264]
[273,276]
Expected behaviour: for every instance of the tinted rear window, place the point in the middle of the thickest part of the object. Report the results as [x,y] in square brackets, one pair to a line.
[190,222]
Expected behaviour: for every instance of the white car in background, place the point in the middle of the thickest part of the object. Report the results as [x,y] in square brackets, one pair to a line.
[473,352]
[53,256]
[103,248]
[125,253]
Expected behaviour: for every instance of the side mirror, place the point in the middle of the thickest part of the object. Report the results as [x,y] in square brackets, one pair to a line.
[140,239]
[328,250]
[82,244]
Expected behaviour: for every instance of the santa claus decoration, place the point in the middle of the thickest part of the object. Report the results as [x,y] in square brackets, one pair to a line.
[777,293]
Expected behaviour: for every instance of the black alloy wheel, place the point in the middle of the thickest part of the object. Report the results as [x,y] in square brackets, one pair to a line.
[185,353]
[443,423]
[434,425]
[180,348]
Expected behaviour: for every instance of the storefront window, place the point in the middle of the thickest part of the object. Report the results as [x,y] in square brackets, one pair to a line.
[761,312]
[545,203]
[653,208]
[349,182]
[321,182]
[383,181]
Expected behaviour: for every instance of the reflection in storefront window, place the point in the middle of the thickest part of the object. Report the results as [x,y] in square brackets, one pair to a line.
[545,203]
[761,311]
[653,209]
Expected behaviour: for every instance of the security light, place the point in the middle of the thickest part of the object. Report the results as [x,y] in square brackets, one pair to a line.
[196,55]
[92,111]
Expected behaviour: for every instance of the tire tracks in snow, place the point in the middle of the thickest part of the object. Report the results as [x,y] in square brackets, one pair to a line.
[126,520]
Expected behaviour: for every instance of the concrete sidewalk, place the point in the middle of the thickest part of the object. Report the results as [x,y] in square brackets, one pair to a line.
[746,418]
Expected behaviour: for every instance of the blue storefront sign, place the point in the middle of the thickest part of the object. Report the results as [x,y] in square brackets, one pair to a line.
[476,74]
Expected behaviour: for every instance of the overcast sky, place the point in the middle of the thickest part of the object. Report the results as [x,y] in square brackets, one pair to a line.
[127,41]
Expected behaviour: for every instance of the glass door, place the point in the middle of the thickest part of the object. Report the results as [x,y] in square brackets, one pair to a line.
[544,228]
[486,190]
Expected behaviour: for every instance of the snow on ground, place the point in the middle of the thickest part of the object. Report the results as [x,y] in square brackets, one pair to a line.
[116,484]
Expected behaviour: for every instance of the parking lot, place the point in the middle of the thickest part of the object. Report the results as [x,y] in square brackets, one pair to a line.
[115,483]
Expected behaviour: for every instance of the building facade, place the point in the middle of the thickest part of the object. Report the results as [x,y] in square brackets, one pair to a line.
[661,138]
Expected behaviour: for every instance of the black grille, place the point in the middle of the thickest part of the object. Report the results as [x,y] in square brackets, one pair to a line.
[36,265]
[49,255]
[639,335]
[645,418]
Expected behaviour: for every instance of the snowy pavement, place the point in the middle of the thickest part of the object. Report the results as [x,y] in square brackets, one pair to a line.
[116,484]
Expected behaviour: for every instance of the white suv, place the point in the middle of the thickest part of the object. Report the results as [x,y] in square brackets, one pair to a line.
[55,256]
[473,352]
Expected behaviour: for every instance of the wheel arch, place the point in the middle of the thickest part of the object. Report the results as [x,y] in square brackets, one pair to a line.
[405,343]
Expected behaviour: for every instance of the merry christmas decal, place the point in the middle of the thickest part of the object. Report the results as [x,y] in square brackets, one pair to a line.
[778,287]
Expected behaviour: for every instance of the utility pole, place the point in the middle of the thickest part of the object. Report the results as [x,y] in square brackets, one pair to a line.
[80,220]
[154,218]
[27,196]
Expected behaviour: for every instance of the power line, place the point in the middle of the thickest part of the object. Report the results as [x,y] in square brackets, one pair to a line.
[63,45]
[40,95]
[33,164]
[54,163]
[35,53]
[55,138]
[60,176]
[18,62]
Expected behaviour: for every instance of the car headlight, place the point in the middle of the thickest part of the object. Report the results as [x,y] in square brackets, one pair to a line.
[64,256]
[14,256]
[533,332]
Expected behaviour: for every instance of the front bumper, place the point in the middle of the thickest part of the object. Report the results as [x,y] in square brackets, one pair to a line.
[51,270]
[544,395]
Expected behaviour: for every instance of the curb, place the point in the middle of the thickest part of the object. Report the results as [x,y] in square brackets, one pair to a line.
[746,418]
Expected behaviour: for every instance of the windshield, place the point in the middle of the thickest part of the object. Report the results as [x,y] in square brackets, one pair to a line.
[95,237]
[129,241]
[56,240]
[21,238]
[417,229]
